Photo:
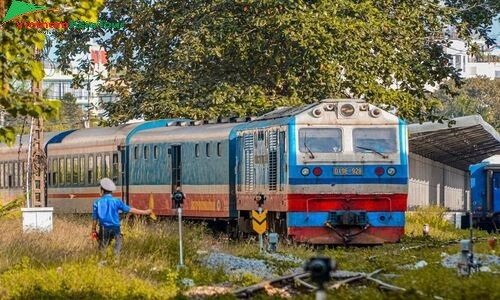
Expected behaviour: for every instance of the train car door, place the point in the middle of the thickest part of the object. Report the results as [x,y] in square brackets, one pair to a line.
[496,191]
[175,152]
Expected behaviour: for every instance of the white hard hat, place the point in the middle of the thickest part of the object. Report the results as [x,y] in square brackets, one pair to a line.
[108,184]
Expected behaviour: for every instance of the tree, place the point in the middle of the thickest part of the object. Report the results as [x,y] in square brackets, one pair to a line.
[202,59]
[476,96]
[70,115]
[20,62]
[475,17]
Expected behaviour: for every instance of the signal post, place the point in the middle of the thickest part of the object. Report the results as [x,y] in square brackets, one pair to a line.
[259,219]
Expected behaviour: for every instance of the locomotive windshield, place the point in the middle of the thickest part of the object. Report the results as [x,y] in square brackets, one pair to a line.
[322,140]
[377,140]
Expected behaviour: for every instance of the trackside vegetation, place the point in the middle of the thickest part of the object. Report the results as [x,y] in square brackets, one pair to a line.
[64,264]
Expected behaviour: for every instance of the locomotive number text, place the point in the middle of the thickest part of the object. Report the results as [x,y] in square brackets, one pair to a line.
[347,171]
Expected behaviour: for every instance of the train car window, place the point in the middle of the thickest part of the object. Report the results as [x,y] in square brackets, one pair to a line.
[197,150]
[116,167]
[68,171]
[54,171]
[9,175]
[136,152]
[82,170]
[90,170]
[381,140]
[207,149]
[145,152]
[107,166]
[98,168]
[320,140]
[22,171]
[16,174]
[61,171]
[155,152]
[219,149]
[75,170]
[1,175]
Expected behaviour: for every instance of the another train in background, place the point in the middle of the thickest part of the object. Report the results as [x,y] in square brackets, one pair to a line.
[333,172]
[485,195]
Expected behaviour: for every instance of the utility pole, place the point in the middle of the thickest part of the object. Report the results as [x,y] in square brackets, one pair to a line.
[38,164]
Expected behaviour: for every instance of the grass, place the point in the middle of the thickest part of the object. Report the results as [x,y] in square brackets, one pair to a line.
[64,264]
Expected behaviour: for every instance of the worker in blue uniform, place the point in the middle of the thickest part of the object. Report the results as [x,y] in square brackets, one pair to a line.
[106,212]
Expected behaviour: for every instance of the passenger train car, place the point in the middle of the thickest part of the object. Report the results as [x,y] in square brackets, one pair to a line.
[485,194]
[333,172]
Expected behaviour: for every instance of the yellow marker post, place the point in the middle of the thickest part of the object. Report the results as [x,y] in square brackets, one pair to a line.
[151,206]
[259,224]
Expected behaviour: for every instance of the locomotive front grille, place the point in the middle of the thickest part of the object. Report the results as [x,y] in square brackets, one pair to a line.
[347,218]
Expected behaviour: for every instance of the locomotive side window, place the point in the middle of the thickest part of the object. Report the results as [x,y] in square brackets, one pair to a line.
[136,152]
[146,152]
[207,149]
[322,140]
[382,140]
[197,150]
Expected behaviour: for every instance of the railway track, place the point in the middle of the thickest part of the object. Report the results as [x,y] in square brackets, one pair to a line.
[299,283]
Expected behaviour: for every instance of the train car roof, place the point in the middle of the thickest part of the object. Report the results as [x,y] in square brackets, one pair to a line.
[186,132]
[22,141]
[105,135]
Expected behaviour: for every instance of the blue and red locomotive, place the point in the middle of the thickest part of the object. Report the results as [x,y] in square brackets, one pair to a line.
[333,172]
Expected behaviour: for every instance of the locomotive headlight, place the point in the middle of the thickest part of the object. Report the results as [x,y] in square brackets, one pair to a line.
[391,171]
[305,171]
[347,110]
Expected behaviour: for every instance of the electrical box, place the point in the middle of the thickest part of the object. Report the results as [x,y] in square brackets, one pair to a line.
[37,218]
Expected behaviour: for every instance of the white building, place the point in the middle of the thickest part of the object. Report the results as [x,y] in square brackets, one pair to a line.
[486,64]
[56,84]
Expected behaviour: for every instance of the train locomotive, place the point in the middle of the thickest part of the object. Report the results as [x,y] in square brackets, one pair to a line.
[485,195]
[332,172]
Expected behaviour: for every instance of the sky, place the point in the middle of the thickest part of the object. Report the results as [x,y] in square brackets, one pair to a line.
[496,31]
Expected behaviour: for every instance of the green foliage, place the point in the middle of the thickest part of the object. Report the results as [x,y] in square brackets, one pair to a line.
[475,96]
[8,209]
[203,59]
[77,280]
[21,59]
[53,266]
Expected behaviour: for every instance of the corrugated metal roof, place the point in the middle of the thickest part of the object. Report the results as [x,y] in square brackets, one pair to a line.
[468,141]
